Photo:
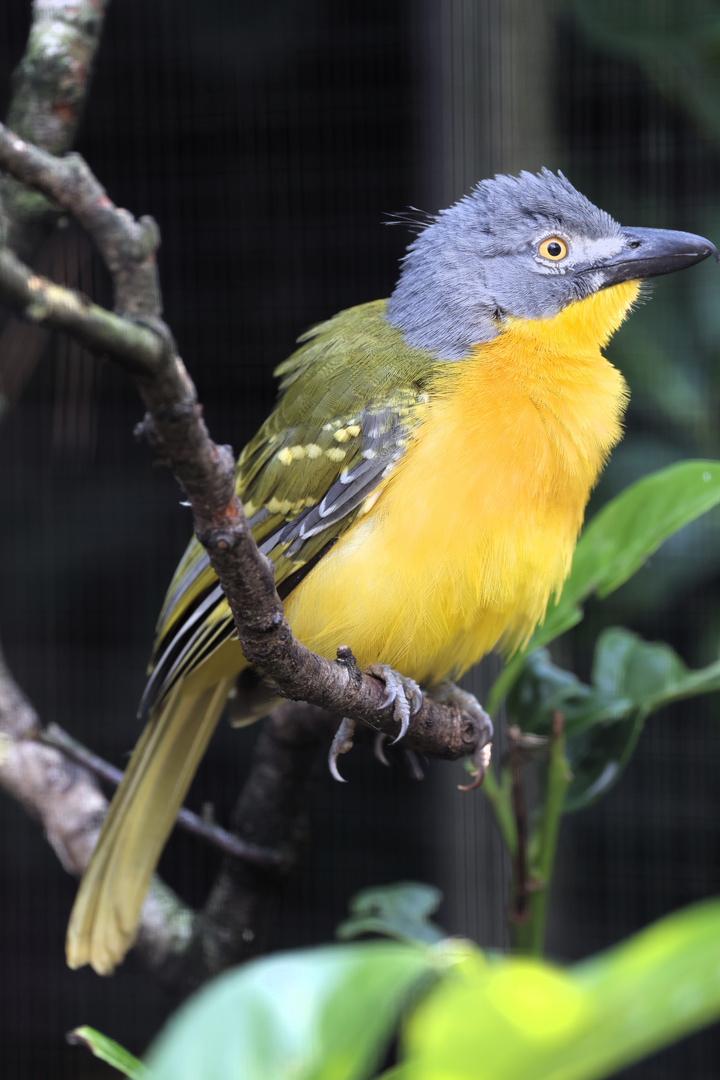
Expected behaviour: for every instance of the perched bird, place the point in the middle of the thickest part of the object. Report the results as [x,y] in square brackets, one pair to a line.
[419,487]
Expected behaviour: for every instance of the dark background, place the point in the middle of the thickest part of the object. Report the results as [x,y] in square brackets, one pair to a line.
[270,141]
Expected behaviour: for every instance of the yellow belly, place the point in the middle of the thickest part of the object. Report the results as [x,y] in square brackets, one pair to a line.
[474,530]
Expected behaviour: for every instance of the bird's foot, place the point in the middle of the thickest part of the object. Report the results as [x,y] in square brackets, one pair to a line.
[403,693]
[447,693]
[406,697]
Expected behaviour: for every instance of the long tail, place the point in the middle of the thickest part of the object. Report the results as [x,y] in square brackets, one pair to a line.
[104,918]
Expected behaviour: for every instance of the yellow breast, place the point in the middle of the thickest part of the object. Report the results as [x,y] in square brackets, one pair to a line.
[474,530]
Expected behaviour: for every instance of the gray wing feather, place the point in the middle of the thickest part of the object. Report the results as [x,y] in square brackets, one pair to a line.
[182,642]
[383,443]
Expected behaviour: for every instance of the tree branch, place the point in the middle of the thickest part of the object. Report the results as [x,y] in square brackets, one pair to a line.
[205,471]
[67,801]
[182,948]
[49,90]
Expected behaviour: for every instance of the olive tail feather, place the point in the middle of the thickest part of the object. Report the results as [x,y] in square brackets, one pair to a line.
[105,916]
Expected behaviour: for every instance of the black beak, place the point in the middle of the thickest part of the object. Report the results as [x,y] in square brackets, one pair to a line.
[651,252]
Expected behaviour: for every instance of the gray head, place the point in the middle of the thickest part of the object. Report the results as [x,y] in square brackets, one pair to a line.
[523,246]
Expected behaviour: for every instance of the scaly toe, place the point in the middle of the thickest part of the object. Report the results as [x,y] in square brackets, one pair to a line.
[447,693]
[403,692]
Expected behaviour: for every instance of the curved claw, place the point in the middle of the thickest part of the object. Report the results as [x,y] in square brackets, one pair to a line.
[404,718]
[481,763]
[414,765]
[390,696]
[378,748]
[332,766]
[341,743]
[403,693]
[417,700]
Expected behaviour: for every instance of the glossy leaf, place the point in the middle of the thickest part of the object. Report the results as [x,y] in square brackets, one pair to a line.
[399,911]
[631,679]
[648,674]
[110,1051]
[544,688]
[325,1014]
[525,1018]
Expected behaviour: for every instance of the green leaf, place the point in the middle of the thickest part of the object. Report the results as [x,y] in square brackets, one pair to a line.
[526,1018]
[109,1051]
[399,911]
[631,679]
[325,1014]
[543,688]
[597,757]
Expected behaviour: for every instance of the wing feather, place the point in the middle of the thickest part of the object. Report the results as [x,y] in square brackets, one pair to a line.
[351,399]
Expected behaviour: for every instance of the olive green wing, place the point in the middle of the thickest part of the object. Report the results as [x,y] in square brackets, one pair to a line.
[351,398]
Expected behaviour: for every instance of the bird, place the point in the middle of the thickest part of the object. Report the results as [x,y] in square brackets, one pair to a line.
[419,487]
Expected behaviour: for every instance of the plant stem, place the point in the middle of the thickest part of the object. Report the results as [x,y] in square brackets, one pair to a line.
[498,795]
[529,936]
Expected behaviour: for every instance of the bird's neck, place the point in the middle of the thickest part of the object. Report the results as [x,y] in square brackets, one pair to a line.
[555,366]
[583,327]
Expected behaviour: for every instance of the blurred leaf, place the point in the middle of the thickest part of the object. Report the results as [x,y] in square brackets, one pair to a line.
[675,42]
[526,1018]
[110,1051]
[597,757]
[325,1014]
[399,911]
[631,678]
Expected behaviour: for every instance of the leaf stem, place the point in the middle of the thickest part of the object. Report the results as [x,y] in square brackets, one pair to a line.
[529,936]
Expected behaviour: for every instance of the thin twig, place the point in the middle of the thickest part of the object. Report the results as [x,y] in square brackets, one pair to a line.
[213,834]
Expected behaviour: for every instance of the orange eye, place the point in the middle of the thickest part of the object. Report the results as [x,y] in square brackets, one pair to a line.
[553,248]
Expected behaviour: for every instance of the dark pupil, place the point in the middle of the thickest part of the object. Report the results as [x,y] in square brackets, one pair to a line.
[554,249]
